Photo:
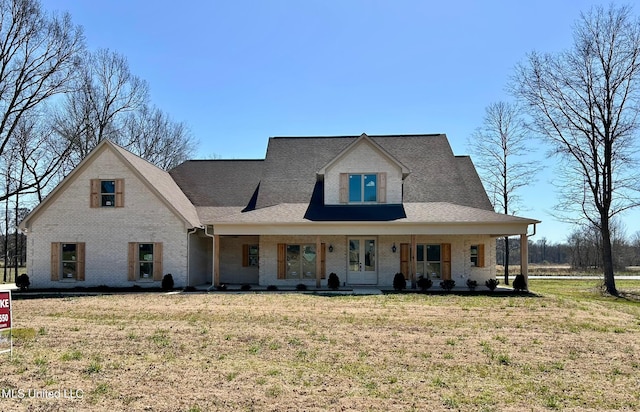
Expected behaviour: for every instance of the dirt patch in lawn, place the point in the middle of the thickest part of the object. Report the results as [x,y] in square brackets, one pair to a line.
[290,352]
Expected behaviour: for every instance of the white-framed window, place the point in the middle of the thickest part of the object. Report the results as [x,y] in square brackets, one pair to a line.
[250,255]
[363,188]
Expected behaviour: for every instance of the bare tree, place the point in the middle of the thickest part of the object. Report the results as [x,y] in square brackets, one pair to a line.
[151,134]
[586,101]
[38,58]
[105,92]
[500,148]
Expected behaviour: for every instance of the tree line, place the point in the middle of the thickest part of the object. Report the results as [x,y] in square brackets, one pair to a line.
[582,250]
[59,100]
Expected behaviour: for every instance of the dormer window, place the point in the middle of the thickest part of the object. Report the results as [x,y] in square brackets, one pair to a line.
[363,188]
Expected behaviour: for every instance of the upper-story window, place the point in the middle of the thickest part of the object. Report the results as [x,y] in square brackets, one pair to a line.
[363,188]
[107,193]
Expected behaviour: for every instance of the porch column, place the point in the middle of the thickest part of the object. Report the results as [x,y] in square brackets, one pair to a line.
[524,257]
[414,261]
[216,260]
[318,262]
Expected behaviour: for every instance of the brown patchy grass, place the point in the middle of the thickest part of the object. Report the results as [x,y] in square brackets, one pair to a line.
[290,352]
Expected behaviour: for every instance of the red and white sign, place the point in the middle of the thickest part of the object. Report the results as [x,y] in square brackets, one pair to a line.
[5,310]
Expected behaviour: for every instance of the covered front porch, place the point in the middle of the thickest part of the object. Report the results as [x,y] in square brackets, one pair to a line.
[287,260]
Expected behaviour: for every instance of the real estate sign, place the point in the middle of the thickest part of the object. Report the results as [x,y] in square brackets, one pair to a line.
[6,338]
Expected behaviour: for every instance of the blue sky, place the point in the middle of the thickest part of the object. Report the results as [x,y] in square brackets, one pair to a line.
[240,71]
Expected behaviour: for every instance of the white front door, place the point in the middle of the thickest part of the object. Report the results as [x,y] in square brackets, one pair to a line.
[361,265]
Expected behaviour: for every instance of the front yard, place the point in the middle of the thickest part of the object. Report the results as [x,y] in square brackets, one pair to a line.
[564,349]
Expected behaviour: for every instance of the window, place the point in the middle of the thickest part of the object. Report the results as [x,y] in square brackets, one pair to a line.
[428,261]
[145,261]
[301,261]
[107,193]
[477,255]
[250,255]
[67,261]
[363,188]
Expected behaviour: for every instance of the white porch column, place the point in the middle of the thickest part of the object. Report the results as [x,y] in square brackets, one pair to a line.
[524,257]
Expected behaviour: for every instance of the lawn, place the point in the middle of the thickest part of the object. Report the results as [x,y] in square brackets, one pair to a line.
[566,349]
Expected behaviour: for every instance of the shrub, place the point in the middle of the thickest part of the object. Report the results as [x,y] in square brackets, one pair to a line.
[189,289]
[23,282]
[221,287]
[246,286]
[448,284]
[519,284]
[492,284]
[301,286]
[333,282]
[167,282]
[424,283]
[272,287]
[472,284]
[399,282]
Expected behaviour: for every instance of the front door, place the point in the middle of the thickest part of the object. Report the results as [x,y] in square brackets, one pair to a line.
[362,261]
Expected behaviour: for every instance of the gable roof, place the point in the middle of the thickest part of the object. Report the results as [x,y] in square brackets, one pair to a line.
[437,175]
[218,182]
[364,139]
[156,179]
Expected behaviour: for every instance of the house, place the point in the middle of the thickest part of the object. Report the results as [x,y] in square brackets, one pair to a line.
[364,207]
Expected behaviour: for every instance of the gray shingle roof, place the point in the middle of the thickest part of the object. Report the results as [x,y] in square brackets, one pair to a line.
[218,182]
[436,174]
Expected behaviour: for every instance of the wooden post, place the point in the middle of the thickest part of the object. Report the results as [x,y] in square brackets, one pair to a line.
[524,257]
[216,260]
[414,261]
[318,262]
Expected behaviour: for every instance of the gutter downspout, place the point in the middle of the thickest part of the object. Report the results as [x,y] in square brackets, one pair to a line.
[213,256]
[189,233]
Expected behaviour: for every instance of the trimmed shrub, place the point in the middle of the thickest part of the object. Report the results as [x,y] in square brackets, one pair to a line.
[221,287]
[333,282]
[301,286]
[399,282]
[472,284]
[167,282]
[424,283]
[245,287]
[23,282]
[272,287]
[448,284]
[519,284]
[492,284]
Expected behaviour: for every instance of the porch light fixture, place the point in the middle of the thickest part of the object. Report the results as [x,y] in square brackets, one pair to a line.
[393,248]
[330,248]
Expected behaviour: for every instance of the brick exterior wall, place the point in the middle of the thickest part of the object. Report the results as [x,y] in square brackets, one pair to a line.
[106,231]
[388,262]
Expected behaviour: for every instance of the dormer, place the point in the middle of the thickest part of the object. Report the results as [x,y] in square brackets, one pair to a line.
[364,173]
